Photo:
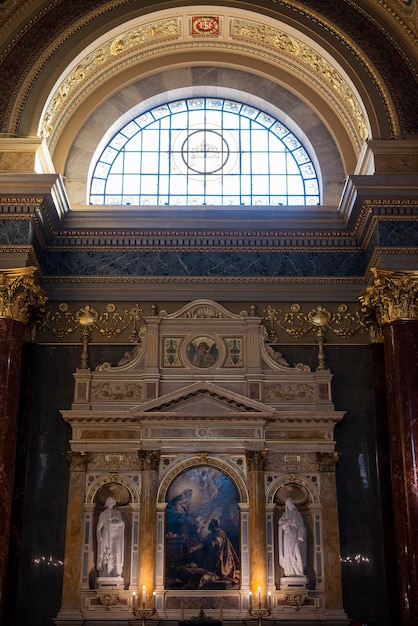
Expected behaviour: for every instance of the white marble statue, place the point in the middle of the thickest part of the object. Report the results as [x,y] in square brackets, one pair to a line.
[292,541]
[110,540]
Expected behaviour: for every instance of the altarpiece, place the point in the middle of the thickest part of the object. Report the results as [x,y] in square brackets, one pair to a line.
[184,456]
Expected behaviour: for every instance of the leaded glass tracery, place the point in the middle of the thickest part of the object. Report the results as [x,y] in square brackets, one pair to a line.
[204,151]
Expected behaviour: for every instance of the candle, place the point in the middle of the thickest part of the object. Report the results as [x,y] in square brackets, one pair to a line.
[250,600]
[269,600]
[153,599]
[144,595]
[134,600]
[259,596]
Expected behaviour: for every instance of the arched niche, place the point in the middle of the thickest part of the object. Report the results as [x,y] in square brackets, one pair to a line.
[305,494]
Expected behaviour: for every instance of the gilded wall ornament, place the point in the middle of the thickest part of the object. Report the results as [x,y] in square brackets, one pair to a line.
[109,323]
[343,323]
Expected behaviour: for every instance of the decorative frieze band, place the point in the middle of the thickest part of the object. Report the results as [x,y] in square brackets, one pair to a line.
[126,322]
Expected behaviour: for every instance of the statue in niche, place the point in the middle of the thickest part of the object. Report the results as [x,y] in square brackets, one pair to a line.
[110,534]
[292,541]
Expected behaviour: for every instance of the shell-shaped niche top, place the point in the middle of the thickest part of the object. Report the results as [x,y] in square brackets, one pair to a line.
[297,493]
[118,492]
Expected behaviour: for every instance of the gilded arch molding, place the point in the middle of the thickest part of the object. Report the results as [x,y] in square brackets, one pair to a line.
[244,34]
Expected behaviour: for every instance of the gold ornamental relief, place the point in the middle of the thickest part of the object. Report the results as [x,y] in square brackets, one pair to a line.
[147,33]
[170,33]
[20,296]
[275,39]
[141,36]
[391,296]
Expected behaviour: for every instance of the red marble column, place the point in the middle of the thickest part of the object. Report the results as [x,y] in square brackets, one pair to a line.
[385,480]
[392,301]
[401,350]
[19,296]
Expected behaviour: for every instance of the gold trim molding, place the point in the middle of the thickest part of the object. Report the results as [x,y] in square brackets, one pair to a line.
[169,31]
[392,296]
[20,296]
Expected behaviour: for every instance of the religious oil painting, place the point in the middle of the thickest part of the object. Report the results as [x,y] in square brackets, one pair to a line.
[202,531]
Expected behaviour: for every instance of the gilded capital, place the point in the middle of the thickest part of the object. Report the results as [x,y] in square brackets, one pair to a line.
[149,459]
[256,459]
[78,461]
[327,461]
[20,296]
[391,296]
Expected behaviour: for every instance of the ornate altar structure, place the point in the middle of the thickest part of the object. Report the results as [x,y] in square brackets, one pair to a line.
[199,435]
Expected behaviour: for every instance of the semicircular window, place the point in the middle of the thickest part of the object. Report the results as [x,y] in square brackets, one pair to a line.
[204,151]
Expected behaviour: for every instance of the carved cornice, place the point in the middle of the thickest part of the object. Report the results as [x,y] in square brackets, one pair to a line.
[392,296]
[20,296]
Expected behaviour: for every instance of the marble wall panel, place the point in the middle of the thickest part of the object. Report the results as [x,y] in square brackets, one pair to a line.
[90,263]
[395,233]
[15,232]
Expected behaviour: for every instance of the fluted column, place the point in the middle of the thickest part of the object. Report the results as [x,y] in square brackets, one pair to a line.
[148,521]
[391,303]
[19,298]
[256,461]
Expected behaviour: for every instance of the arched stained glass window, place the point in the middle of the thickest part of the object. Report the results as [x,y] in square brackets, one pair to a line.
[204,151]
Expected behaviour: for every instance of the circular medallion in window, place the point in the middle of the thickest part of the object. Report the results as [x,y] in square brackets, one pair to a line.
[205,151]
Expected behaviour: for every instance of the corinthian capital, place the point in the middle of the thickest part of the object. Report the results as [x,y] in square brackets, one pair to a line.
[256,459]
[20,296]
[149,459]
[391,296]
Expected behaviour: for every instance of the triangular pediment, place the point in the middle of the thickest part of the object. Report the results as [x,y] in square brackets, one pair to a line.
[204,398]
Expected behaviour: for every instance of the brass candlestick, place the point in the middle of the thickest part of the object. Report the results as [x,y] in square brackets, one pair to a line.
[143,613]
[260,611]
